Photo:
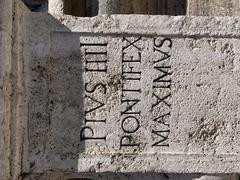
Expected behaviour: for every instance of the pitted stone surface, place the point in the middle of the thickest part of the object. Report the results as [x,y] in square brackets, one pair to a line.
[142,96]
[54,67]
[107,100]
[148,95]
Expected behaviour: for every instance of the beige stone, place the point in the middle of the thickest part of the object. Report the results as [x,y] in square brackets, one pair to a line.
[211,8]
[56,6]
[45,85]
[5,58]
[201,130]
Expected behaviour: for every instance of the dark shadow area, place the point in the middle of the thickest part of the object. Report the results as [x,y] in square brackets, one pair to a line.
[90,8]
[81,8]
[37,5]
[55,106]
[66,88]
[171,7]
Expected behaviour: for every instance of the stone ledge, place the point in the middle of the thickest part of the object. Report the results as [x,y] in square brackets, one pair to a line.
[191,26]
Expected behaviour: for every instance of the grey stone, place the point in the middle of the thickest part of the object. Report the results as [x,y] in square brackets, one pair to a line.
[204,95]
[3,141]
[55,6]
[5,53]
[11,88]
[37,5]
[46,97]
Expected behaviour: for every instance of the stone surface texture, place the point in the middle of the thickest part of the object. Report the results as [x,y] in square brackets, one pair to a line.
[12,91]
[55,6]
[213,7]
[201,85]
[46,95]
[5,56]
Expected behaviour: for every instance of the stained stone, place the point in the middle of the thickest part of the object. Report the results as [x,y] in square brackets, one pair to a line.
[115,96]
[106,99]
[213,7]
[5,51]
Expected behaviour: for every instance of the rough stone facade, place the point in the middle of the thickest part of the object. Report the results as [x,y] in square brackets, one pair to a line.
[119,96]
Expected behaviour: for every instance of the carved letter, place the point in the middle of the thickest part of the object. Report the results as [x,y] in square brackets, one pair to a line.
[166,55]
[159,100]
[132,43]
[103,86]
[164,137]
[130,118]
[100,104]
[89,130]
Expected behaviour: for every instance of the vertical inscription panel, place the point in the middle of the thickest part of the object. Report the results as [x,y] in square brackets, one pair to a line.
[147,95]
[127,94]
[141,102]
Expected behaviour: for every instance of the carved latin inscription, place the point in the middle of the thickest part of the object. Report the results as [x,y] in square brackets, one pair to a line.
[162,92]
[141,108]
[95,55]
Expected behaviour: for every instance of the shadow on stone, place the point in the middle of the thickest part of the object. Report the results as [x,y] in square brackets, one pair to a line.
[55,96]
[172,7]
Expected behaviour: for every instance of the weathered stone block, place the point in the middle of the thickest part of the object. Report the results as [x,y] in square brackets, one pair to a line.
[159,100]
